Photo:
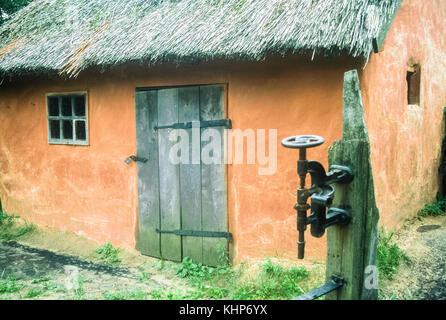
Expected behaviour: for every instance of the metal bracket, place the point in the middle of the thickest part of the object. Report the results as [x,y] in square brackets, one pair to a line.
[335,283]
[320,220]
[322,197]
[198,233]
[336,174]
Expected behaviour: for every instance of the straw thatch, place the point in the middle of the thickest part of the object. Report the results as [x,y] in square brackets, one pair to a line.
[68,36]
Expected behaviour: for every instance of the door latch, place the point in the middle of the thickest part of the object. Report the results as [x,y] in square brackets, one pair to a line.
[129,160]
[321,192]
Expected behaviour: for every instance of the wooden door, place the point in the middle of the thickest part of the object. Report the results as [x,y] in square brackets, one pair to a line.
[182,207]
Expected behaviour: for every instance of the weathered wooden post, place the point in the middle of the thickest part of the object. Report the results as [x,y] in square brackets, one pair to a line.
[351,250]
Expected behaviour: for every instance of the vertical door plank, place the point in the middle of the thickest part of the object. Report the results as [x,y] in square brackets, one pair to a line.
[190,176]
[147,240]
[168,176]
[213,177]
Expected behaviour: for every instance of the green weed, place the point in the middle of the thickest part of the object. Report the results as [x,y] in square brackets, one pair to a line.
[40,280]
[156,294]
[144,276]
[274,282]
[50,286]
[160,265]
[10,285]
[108,253]
[223,282]
[190,269]
[136,294]
[175,295]
[5,219]
[8,229]
[197,271]
[389,255]
[407,295]
[214,292]
[434,209]
[224,263]
[79,291]
[33,292]
[28,227]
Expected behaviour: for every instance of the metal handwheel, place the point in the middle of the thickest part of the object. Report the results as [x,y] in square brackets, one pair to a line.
[302,141]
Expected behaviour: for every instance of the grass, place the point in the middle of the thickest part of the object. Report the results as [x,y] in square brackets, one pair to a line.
[10,284]
[6,221]
[79,292]
[270,281]
[53,287]
[389,255]
[12,227]
[11,287]
[108,253]
[190,269]
[40,280]
[408,295]
[34,292]
[434,209]
[273,281]
[136,294]
[144,276]
[156,294]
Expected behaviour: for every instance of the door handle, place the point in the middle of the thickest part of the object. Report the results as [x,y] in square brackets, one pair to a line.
[134,158]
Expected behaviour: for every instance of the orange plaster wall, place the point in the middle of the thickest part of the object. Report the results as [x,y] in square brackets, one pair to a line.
[406,140]
[91,191]
[299,99]
[83,189]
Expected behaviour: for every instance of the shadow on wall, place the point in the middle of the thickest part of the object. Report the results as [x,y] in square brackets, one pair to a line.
[442,169]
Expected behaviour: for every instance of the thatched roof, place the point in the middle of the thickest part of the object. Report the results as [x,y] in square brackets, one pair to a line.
[68,36]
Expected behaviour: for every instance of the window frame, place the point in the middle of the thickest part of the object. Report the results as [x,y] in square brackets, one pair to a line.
[73,118]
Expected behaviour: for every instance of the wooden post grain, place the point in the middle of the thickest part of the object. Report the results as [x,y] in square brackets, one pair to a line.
[352,249]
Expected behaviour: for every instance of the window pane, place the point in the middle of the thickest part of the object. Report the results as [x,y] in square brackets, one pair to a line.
[54,129]
[79,106]
[66,106]
[81,133]
[67,129]
[53,106]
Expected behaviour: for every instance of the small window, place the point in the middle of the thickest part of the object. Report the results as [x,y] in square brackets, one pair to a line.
[67,119]
[413,79]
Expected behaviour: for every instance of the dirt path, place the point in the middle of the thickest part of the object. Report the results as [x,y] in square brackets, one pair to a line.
[52,264]
[424,278]
[67,273]
[72,270]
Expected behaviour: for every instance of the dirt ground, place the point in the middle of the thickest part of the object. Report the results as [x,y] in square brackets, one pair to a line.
[424,277]
[59,265]
[69,263]
[52,264]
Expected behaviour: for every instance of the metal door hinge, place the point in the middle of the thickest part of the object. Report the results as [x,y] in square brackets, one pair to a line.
[198,233]
[199,124]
